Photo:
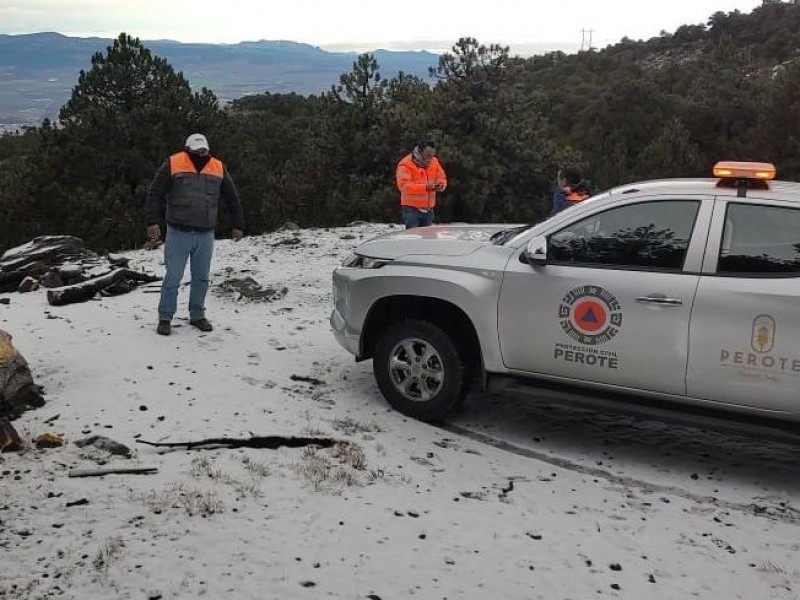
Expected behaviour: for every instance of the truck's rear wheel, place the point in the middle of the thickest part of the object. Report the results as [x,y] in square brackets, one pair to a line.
[419,369]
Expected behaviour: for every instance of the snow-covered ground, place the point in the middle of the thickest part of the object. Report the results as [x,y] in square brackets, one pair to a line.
[578,504]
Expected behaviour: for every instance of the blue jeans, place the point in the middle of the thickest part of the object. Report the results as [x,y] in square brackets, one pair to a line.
[416,218]
[197,247]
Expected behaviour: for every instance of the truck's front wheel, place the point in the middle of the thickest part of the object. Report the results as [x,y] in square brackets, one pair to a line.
[419,369]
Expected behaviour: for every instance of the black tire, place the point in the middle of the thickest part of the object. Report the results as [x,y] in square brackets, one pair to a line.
[419,369]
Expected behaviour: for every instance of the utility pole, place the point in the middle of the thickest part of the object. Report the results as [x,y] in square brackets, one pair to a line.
[584,34]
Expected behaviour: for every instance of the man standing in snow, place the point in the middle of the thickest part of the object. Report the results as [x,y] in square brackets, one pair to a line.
[419,176]
[185,193]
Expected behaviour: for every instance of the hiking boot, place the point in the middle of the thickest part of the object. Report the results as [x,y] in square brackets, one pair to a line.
[164,328]
[201,324]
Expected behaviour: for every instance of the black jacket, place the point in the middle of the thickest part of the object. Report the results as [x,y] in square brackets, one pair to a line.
[159,194]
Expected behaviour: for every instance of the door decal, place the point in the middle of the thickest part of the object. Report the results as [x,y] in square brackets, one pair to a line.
[760,362]
[763,334]
[592,316]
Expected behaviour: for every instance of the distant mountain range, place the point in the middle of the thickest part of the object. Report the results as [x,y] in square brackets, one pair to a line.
[38,71]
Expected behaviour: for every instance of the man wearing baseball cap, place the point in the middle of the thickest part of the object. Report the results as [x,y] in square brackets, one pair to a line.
[185,194]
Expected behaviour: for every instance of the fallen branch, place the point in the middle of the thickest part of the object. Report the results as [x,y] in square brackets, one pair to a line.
[270,442]
[304,379]
[80,292]
[113,471]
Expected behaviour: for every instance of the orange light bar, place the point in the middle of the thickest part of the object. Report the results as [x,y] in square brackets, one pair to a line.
[730,169]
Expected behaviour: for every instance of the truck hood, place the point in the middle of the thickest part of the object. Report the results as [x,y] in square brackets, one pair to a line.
[440,240]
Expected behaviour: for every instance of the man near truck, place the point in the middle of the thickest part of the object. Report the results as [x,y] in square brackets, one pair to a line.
[419,176]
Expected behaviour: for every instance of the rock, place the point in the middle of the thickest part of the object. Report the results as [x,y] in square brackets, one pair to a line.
[18,393]
[70,271]
[289,226]
[72,274]
[5,300]
[9,439]
[52,279]
[46,250]
[29,284]
[48,440]
[103,443]
[118,261]
[10,280]
[289,241]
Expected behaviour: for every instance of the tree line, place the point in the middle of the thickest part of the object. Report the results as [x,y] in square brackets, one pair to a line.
[668,107]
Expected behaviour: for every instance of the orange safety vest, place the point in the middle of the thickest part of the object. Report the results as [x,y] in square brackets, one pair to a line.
[181,163]
[576,196]
[193,198]
[412,181]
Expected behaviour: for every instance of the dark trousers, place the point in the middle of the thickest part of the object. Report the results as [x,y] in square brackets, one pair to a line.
[416,218]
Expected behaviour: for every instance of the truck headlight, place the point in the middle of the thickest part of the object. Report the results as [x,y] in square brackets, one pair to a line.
[359,261]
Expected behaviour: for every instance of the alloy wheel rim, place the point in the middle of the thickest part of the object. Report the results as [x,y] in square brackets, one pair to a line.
[416,369]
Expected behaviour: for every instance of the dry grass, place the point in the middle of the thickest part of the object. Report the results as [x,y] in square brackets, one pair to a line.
[375,474]
[176,496]
[108,553]
[350,426]
[251,489]
[257,469]
[311,430]
[314,467]
[351,455]
[97,456]
[203,503]
[202,468]
[345,476]
[770,567]
[342,465]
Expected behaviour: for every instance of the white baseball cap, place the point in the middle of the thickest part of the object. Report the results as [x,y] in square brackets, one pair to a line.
[197,141]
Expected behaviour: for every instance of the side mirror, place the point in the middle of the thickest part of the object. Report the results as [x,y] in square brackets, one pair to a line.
[536,251]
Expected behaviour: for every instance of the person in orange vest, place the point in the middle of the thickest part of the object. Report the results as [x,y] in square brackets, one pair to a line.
[419,176]
[185,193]
[571,189]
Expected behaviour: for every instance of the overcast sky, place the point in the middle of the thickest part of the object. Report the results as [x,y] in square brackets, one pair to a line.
[365,24]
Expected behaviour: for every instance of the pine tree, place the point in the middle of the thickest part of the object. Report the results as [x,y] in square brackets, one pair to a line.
[126,115]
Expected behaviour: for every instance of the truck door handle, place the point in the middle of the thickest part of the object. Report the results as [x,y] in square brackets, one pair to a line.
[659,299]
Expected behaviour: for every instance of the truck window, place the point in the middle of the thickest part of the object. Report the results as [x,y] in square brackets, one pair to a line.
[649,235]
